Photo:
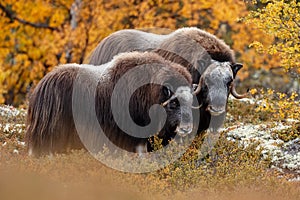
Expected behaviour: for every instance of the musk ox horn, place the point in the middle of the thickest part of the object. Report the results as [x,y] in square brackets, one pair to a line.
[197,88]
[174,97]
[168,101]
[235,94]
[196,107]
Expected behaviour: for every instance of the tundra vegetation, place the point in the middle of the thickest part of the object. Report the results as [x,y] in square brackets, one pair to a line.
[256,156]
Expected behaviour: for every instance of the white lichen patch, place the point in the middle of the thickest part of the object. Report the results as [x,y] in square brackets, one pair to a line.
[284,155]
[10,111]
[11,129]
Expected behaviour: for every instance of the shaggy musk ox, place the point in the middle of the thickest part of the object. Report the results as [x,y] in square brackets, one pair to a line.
[185,42]
[209,60]
[50,121]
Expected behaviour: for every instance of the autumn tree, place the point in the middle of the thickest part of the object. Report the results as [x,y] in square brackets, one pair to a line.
[38,35]
[279,19]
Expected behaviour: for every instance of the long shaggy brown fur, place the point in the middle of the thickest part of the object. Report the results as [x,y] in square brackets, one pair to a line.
[50,122]
[134,40]
[192,48]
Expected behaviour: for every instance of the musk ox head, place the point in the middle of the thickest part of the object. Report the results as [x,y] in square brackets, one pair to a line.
[170,86]
[178,105]
[214,87]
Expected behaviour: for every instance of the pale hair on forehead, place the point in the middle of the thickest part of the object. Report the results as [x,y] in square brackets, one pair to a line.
[219,70]
[184,92]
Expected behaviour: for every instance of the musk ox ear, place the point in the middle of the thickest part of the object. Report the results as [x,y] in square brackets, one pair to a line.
[235,68]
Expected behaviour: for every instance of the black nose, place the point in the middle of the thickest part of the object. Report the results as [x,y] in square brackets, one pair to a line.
[184,130]
[214,110]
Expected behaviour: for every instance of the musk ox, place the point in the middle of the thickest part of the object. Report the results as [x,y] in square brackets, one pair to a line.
[51,126]
[209,60]
[182,42]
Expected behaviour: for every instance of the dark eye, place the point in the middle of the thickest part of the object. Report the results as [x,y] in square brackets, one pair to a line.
[229,82]
[167,92]
[174,104]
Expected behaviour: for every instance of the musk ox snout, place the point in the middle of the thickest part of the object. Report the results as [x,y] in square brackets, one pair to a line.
[185,99]
[217,101]
[185,126]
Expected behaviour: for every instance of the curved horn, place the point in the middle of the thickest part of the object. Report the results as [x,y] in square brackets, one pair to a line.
[196,107]
[168,101]
[235,94]
[198,89]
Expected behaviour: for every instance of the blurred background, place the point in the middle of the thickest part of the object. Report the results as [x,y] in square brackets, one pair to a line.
[38,35]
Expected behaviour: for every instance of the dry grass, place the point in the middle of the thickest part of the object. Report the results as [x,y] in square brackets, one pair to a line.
[236,175]
[233,172]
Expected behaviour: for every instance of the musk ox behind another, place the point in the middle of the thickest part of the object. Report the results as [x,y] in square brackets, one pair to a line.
[210,61]
[184,42]
[67,99]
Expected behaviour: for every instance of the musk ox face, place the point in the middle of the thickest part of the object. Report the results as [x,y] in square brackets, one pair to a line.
[178,104]
[216,82]
[214,87]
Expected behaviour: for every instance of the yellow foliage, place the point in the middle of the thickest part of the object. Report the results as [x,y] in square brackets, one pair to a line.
[38,35]
[279,19]
[2,89]
[279,104]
